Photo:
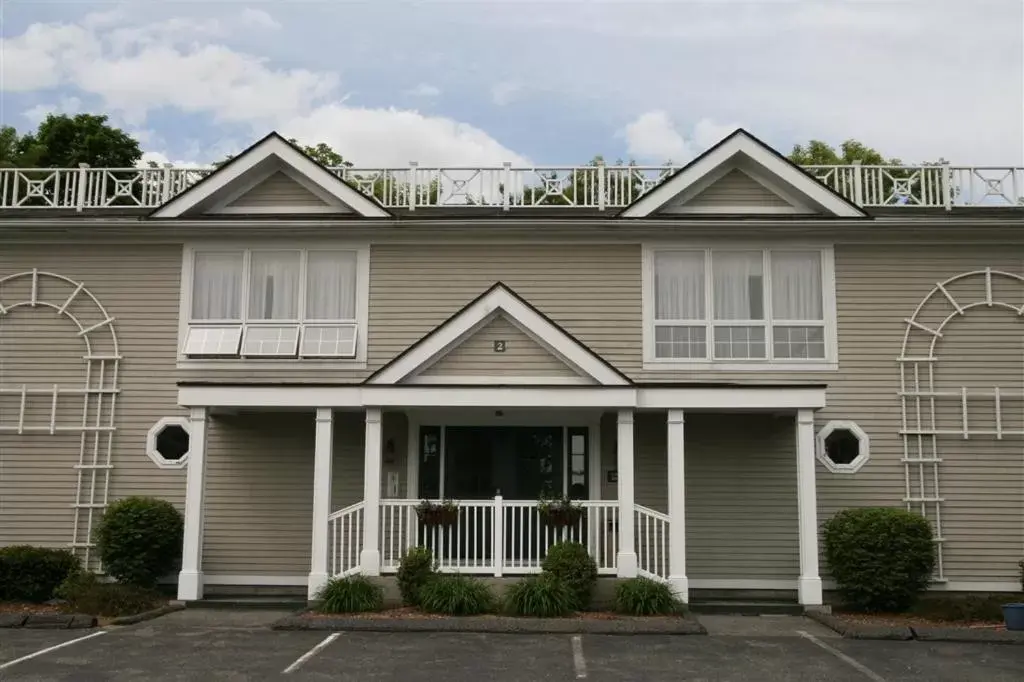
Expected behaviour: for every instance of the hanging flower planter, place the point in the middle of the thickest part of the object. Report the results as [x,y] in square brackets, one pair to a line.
[435,514]
[560,512]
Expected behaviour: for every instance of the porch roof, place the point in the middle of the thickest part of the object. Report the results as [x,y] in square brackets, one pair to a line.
[689,396]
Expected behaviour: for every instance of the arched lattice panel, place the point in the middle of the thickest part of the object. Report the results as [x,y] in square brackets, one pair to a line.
[962,402]
[59,365]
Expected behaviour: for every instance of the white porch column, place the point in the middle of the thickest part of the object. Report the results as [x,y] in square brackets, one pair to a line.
[677,507]
[323,454]
[809,585]
[369,559]
[626,559]
[190,579]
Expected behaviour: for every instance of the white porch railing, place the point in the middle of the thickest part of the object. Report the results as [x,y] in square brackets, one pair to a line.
[651,542]
[346,539]
[491,537]
[593,187]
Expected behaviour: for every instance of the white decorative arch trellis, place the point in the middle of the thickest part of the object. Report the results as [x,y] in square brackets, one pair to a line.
[920,428]
[98,396]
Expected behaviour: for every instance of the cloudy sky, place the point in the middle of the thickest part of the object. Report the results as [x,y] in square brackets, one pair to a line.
[485,81]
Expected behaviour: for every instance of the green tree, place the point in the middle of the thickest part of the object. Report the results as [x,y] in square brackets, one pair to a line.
[883,181]
[63,141]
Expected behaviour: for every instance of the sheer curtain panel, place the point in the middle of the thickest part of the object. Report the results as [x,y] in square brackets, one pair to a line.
[217,286]
[274,285]
[331,286]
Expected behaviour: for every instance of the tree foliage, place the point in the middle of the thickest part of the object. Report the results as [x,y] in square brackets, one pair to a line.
[818,153]
[63,141]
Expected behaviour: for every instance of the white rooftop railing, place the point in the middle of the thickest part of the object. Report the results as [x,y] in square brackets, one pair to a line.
[597,187]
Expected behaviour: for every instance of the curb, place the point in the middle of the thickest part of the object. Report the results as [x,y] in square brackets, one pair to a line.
[921,634]
[147,615]
[48,621]
[856,631]
[499,625]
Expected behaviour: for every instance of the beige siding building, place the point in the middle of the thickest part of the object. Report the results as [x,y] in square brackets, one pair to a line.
[710,365]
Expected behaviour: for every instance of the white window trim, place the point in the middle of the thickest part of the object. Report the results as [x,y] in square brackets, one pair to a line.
[829,363]
[362,308]
[151,436]
[863,453]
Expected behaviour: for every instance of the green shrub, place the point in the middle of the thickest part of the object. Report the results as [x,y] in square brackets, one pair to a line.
[139,540]
[540,596]
[880,558]
[415,570]
[85,593]
[455,595]
[962,608]
[33,573]
[353,594]
[572,565]
[645,597]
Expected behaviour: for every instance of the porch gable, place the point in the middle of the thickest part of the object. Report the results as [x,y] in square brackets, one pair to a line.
[498,338]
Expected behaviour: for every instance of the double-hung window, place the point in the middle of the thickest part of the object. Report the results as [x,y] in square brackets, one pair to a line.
[273,303]
[738,306]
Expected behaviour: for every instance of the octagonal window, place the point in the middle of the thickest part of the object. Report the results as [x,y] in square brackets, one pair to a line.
[167,443]
[843,447]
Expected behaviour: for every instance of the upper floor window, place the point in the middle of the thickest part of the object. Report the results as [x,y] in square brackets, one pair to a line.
[739,306]
[277,303]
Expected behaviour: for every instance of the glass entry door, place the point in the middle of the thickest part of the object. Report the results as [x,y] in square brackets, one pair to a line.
[517,462]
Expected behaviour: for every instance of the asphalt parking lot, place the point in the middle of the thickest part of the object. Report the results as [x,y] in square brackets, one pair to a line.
[205,645]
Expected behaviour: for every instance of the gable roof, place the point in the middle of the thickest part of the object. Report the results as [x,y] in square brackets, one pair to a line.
[271,154]
[720,158]
[498,299]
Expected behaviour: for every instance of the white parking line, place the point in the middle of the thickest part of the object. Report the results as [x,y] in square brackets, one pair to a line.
[577,657]
[47,650]
[843,657]
[311,653]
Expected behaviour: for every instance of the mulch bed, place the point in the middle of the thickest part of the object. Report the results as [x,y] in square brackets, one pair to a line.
[908,620]
[410,612]
[413,620]
[27,608]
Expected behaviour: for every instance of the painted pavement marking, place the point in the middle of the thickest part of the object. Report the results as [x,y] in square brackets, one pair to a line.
[47,650]
[853,663]
[577,657]
[311,653]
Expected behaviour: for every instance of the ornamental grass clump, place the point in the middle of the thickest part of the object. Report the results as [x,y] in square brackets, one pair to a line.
[539,596]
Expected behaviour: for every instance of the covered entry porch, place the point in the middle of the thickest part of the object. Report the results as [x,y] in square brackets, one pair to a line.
[494,452]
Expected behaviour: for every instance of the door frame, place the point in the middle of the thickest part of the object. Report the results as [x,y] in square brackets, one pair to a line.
[591,420]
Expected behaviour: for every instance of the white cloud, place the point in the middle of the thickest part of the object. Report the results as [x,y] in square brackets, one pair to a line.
[257,18]
[424,90]
[66,105]
[137,69]
[393,137]
[506,92]
[161,159]
[653,136]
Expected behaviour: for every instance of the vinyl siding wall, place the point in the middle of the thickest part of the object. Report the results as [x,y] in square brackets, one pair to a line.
[734,189]
[139,288]
[277,191]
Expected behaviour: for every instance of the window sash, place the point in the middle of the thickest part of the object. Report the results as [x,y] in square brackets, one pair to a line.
[248,310]
[768,302]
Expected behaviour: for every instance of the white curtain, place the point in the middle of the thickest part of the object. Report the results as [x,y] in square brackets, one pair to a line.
[738,285]
[331,285]
[274,285]
[679,285]
[796,285]
[217,286]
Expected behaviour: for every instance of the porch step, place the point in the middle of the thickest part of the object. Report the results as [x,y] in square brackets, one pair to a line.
[747,608]
[268,603]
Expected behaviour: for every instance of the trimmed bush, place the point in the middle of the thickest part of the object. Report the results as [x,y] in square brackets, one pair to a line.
[645,597]
[455,595]
[33,573]
[85,593]
[570,563]
[539,596]
[354,594]
[139,540]
[415,570]
[880,558]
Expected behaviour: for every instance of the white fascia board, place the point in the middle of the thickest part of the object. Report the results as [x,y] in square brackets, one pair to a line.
[308,397]
[771,164]
[500,300]
[732,398]
[291,158]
